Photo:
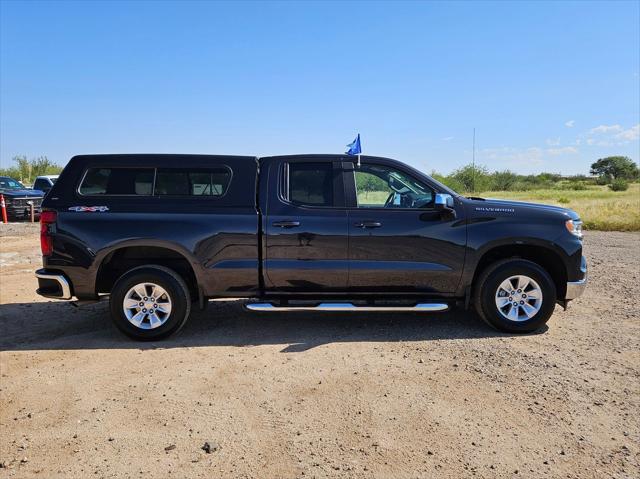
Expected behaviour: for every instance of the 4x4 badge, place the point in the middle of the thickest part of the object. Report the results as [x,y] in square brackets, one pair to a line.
[89,209]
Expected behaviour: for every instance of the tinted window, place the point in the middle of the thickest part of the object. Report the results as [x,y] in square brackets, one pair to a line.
[40,185]
[117,181]
[380,186]
[10,184]
[311,184]
[200,182]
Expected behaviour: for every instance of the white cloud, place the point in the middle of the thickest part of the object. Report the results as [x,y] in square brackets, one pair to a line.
[570,123]
[572,150]
[630,134]
[605,129]
[553,141]
[611,135]
[447,138]
[513,156]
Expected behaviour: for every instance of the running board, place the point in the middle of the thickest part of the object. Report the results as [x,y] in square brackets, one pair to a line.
[422,307]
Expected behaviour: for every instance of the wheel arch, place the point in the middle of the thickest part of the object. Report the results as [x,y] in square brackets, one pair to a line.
[543,255]
[117,259]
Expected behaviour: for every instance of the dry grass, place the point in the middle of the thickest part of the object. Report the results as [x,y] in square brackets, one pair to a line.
[598,206]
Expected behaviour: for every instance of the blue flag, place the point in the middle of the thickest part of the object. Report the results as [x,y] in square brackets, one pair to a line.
[354,148]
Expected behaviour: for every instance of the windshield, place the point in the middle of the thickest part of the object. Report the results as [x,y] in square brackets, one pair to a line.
[444,187]
[10,184]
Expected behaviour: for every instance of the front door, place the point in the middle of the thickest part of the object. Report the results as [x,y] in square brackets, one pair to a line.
[398,242]
[306,230]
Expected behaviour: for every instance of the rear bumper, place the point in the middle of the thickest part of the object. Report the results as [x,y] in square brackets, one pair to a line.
[576,288]
[53,285]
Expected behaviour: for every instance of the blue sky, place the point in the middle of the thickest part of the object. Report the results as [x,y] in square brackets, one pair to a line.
[549,86]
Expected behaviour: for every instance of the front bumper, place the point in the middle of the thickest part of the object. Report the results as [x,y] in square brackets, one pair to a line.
[22,211]
[576,288]
[53,285]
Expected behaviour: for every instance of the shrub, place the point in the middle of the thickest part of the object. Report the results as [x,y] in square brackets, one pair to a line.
[472,178]
[603,180]
[571,185]
[523,186]
[563,200]
[619,185]
[454,184]
[503,180]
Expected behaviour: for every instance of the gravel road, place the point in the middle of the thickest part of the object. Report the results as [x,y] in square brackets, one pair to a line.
[321,395]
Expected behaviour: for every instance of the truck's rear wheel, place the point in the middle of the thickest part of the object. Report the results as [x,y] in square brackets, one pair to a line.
[150,302]
[516,296]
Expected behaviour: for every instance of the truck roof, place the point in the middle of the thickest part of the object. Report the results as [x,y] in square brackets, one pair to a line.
[124,157]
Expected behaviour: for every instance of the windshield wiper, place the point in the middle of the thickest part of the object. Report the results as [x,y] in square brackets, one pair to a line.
[475,198]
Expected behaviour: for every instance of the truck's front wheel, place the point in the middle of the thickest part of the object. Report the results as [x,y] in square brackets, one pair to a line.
[150,302]
[516,296]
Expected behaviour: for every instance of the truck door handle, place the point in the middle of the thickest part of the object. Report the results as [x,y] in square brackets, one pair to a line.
[368,224]
[286,224]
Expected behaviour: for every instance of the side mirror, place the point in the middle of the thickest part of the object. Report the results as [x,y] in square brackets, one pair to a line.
[443,201]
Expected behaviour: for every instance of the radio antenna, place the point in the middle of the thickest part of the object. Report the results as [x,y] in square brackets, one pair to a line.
[473,163]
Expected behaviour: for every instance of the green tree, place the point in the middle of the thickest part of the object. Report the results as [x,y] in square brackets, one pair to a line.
[26,170]
[367,182]
[615,167]
[503,180]
[472,178]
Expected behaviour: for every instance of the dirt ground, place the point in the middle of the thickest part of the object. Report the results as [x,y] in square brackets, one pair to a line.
[321,395]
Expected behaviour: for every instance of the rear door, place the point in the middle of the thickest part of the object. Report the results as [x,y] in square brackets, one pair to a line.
[398,242]
[306,231]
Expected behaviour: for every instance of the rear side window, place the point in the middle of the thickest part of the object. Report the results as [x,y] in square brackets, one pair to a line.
[117,181]
[192,182]
[310,184]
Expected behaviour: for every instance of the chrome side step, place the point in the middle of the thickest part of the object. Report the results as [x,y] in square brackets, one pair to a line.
[423,307]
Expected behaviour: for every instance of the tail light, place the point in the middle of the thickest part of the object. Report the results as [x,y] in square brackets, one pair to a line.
[47,219]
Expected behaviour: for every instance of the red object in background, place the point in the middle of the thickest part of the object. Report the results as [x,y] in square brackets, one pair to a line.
[47,218]
[4,209]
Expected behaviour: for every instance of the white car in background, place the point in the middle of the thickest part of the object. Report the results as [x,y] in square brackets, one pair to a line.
[44,183]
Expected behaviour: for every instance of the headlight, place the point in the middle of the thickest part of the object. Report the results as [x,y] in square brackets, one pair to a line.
[574,227]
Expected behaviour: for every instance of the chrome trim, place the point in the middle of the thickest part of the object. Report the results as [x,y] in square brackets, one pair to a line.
[576,288]
[444,199]
[423,307]
[62,281]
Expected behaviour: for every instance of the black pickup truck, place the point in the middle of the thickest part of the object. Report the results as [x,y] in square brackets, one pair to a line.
[18,199]
[159,233]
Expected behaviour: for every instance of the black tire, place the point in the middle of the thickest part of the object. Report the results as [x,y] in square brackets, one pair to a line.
[171,282]
[487,287]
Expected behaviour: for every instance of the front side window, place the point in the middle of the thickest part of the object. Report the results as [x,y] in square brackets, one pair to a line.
[310,184]
[379,186]
[117,181]
[198,182]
